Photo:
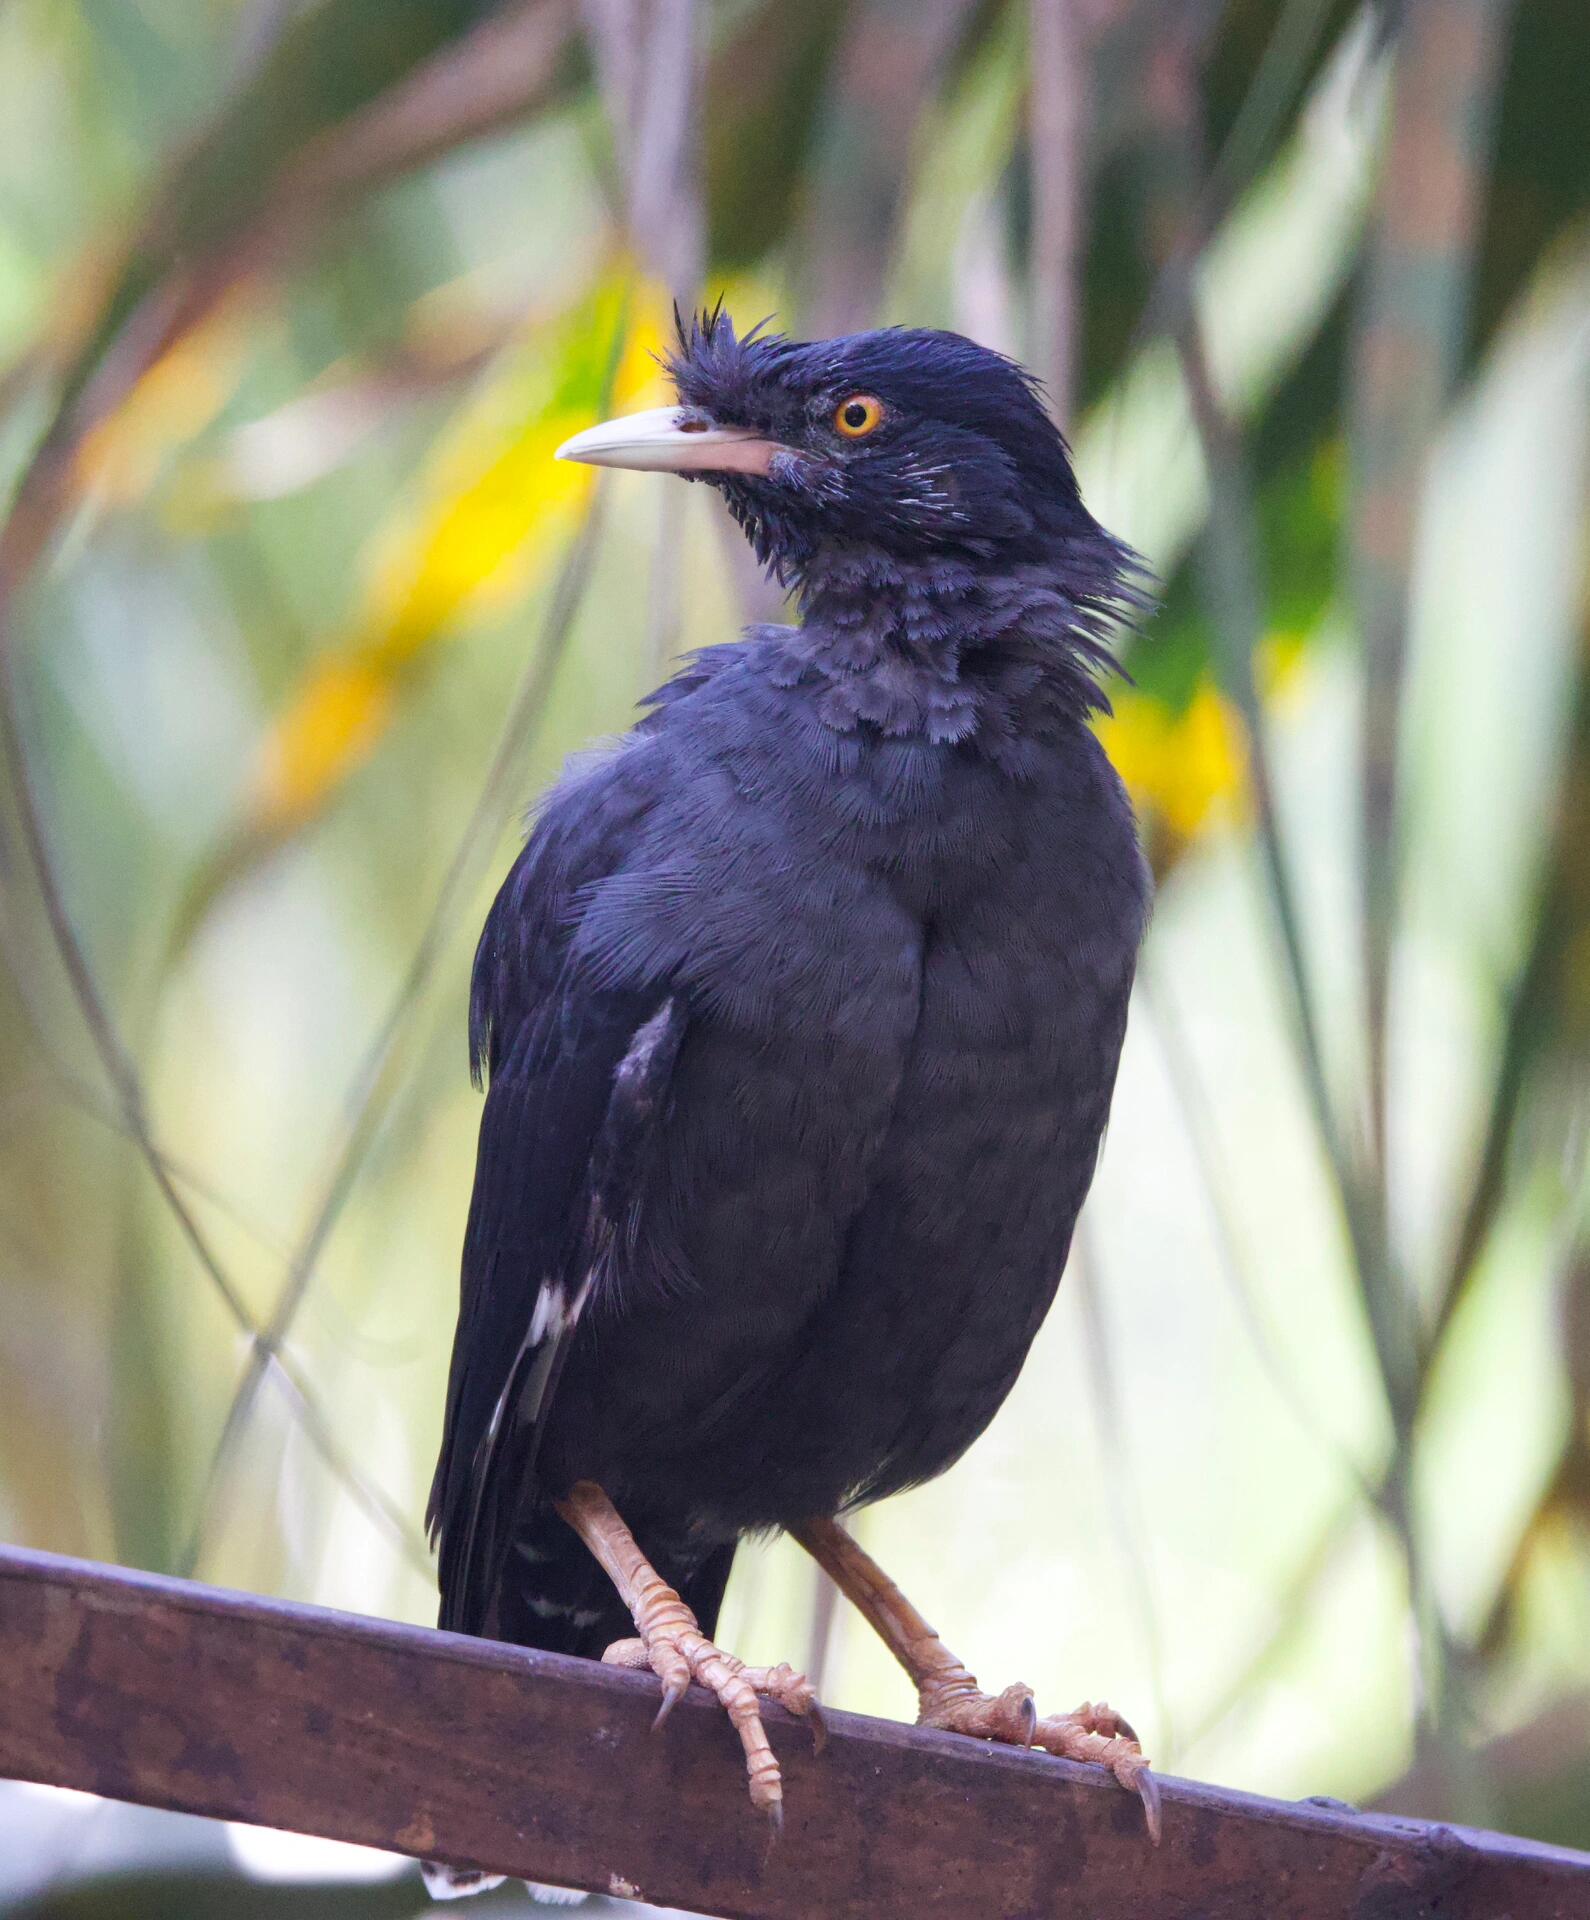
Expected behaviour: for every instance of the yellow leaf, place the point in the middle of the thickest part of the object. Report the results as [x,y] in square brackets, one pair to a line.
[1180,768]
[330,728]
[120,457]
[480,545]
[495,502]
[492,506]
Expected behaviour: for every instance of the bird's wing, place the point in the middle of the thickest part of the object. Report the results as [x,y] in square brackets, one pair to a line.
[578,1077]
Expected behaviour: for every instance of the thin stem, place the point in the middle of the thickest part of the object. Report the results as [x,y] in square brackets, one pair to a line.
[127,1084]
[1187,1088]
[1058,167]
[1407,352]
[370,1081]
[1232,559]
[1110,1427]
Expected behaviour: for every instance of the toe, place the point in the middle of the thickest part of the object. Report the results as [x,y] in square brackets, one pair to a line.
[1146,1787]
[664,1658]
[1099,1737]
[626,1653]
[1105,1720]
[731,1681]
[684,1654]
[794,1692]
[1009,1717]
[765,1780]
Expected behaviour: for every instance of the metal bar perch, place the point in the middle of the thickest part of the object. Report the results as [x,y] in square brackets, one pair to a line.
[185,1696]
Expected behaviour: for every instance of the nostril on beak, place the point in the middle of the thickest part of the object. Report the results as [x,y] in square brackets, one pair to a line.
[670,440]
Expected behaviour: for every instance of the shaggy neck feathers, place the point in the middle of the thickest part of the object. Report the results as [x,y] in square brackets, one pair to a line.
[953,650]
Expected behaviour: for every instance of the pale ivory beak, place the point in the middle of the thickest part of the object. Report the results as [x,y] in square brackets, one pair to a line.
[671,440]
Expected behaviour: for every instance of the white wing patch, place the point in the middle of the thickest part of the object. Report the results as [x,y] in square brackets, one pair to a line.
[551,1318]
[550,1311]
[552,1314]
[456,1883]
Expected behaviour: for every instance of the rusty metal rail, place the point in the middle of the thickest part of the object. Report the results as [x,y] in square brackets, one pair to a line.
[186,1696]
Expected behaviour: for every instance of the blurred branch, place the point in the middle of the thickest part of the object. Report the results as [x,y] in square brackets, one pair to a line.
[1187,1088]
[317,430]
[1540,1773]
[1448,60]
[1288,1614]
[1420,260]
[372,1082]
[259,25]
[172,279]
[1233,574]
[195,247]
[890,60]
[1271,96]
[650,56]
[1564,1501]
[491,506]
[1057,111]
[1273,93]
[1238,601]
[22,1101]
[127,1086]
[820,1640]
[1546,1006]
[488,79]
[1115,1458]
[18,378]
[1237,594]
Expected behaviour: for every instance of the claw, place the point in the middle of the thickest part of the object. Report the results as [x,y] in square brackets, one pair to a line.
[678,1653]
[668,1639]
[1103,1719]
[819,1726]
[1146,1787]
[671,1698]
[775,1831]
[1029,1721]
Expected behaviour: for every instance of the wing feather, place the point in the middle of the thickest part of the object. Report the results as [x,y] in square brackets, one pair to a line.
[578,1082]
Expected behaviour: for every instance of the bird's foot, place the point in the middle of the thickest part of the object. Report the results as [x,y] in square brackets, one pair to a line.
[1096,1735]
[950,1698]
[673,1646]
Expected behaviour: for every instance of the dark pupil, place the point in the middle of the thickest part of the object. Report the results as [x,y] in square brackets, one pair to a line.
[855,414]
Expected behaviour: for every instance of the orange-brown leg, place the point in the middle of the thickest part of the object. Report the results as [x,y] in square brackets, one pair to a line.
[672,1644]
[950,1698]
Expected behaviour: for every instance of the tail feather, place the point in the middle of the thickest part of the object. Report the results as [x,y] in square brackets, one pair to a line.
[552,1592]
[554,1595]
[457,1883]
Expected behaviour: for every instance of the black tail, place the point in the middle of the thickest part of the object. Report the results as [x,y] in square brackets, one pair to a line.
[553,1594]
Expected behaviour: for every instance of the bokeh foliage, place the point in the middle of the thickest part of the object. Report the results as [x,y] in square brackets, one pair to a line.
[296,614]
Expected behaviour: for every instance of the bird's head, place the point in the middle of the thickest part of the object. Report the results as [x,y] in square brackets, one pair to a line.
[914,442]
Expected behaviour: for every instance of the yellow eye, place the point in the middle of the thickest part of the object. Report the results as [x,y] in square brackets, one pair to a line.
[857,416]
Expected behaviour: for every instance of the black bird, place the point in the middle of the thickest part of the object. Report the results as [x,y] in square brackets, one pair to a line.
[801,1010]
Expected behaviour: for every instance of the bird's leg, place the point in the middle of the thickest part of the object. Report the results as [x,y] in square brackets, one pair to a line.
[673,1646]
[950,1698]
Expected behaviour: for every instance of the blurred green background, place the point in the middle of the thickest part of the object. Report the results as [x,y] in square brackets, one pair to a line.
[296,616]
